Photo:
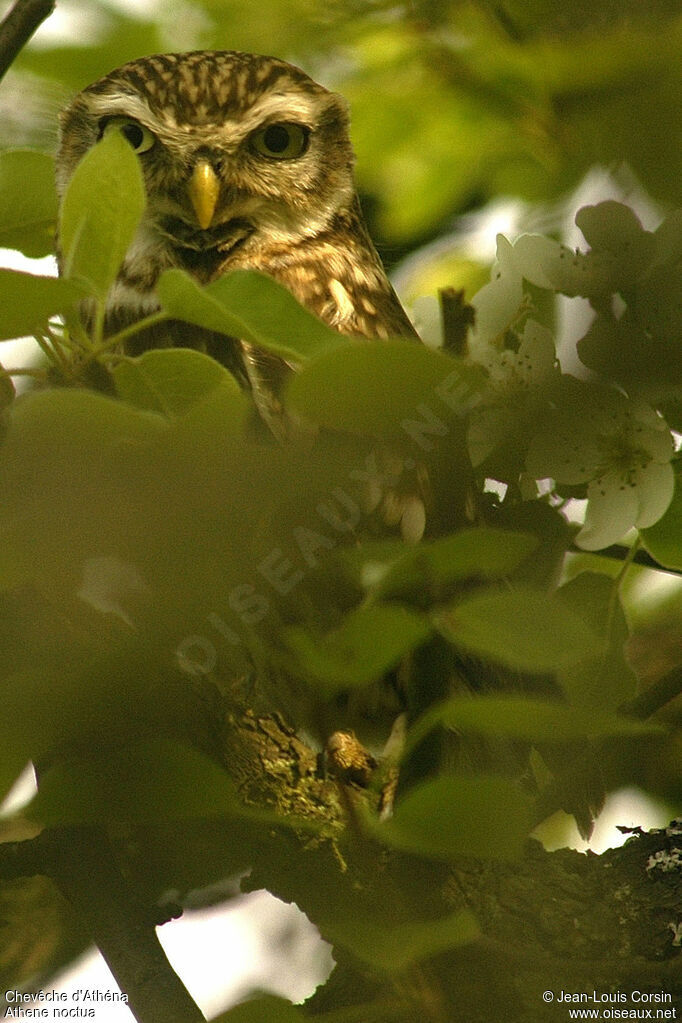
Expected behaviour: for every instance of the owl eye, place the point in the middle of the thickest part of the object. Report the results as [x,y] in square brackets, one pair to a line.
[140,138]
[281,141]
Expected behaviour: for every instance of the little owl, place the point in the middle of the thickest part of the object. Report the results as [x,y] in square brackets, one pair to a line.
[247,163]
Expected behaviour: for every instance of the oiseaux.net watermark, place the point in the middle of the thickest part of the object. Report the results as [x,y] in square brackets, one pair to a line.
[277,575]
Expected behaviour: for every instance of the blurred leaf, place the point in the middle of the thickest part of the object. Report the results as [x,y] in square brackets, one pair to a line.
[385,388]
[250,306]
[150,542]
[552,17]
[156,780]
[552,533]
[391,570]
[28,301]
[520,717]
[100,213]
[369,641]
[521,628]
[425,170]
[108,38]
[28,202]
[170,381]
[662,540]
[537,107]
[603,682]
[49,685]
[394,948]
[510,99]
[120,510]
[453,816]
[263,1009]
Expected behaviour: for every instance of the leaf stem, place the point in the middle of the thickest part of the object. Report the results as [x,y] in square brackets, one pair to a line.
[50,351]
[25,371]
[114,340]
[614,597]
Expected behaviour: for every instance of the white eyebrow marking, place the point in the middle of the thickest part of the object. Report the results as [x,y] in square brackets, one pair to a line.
[121,103]
[240,124]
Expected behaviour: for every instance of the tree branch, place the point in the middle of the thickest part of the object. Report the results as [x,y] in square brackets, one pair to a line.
[18,26]
[551,921]
[556,922]
[655,696]
[82,864]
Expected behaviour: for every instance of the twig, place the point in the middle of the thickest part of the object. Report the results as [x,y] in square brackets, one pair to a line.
[18,26]
[619,552]
[457,316]
[655,696]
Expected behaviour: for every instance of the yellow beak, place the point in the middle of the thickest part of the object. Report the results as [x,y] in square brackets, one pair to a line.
[203,189]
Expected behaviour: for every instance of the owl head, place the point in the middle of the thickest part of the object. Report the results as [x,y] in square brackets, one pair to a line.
[236,150]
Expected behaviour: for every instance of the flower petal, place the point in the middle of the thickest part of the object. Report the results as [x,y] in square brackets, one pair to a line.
[496,304]
[655,487]
[531,252]
[427,319]
[611,511]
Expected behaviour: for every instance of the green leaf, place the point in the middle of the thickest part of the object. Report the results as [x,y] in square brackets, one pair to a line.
[519,717]
[85,477]
[369,642]
[275,320]
[100,213]
[386,388]
[171,380]
[251,306]
[183,298]
[28,202]
[69,464]
[522,628]
[27,301]
[396,947]
[664,539]
[392,570]
[263,1009]
[156,780]
[453,816]
[606,681]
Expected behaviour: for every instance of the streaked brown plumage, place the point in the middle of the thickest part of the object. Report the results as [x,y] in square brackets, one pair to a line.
[247,164]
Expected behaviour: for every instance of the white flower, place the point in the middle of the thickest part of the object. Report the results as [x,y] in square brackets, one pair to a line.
[620,448]
[499,303]
[620,499]
[427,319]
[532,255]
[518,382]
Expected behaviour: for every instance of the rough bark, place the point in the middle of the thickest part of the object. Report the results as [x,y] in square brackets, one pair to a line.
[598,927]
[606,925]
